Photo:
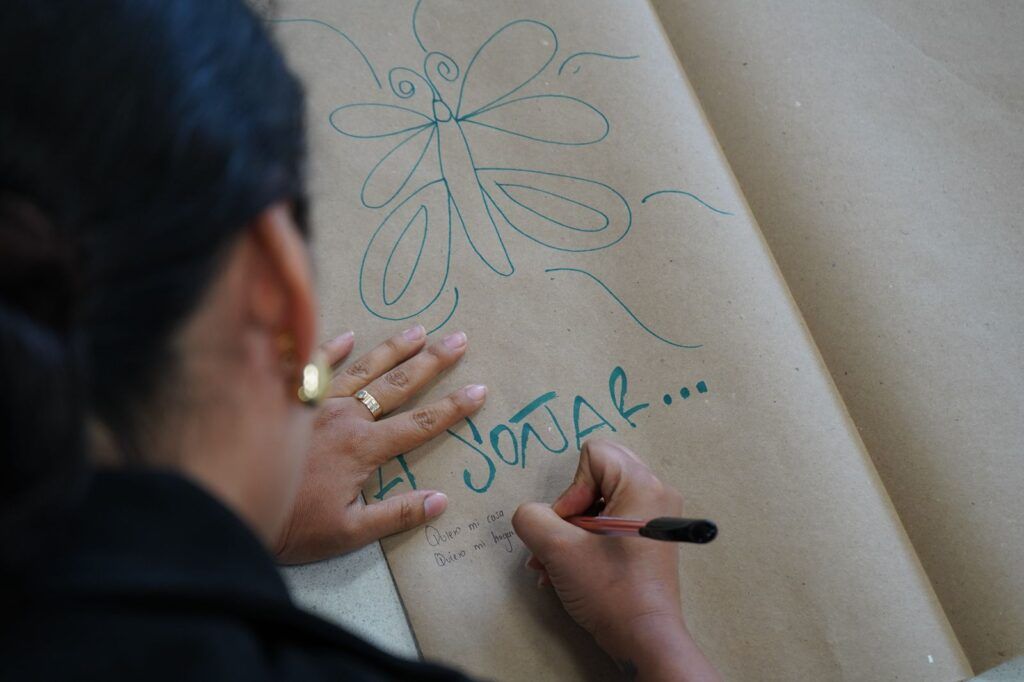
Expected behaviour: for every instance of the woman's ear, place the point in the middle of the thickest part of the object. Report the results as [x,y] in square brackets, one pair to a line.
[276,236]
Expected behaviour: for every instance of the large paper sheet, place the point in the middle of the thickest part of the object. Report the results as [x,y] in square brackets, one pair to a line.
[541,175]
[881,146]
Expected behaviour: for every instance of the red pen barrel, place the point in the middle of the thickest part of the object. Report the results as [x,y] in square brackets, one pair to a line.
[607,525]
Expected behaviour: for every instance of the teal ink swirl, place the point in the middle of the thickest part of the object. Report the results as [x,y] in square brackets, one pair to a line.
[450,313]
[419,254]
[344,36]
[415,33]
[624,307]
[686,194]
[594,54]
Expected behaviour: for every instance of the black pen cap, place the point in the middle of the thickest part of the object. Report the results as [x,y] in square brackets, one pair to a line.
[699,531]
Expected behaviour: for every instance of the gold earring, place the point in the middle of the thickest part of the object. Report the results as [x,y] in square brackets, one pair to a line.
[316,380]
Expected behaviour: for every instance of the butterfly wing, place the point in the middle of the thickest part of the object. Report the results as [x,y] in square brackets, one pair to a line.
[562,212]
[368,120]
[392,173]
[405,266]
[555,119]
[513,56]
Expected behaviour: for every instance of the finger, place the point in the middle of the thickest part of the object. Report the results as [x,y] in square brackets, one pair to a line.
[544,532]
[409,430]
[338,348]
[400,512]
[605,468]
[402,382]
[377,361]
[543,579]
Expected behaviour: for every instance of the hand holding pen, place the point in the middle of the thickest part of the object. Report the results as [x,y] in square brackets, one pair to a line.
[626,594]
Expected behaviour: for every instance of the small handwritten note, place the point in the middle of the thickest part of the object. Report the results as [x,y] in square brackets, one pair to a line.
[452,544]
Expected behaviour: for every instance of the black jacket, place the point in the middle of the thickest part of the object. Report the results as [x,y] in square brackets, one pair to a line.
[157,580]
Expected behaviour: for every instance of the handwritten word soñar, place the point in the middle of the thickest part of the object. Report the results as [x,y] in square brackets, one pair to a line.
[510,441]
[514,441]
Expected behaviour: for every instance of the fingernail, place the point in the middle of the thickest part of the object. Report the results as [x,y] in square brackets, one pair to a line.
[341,338]
[456,340]
[414,333]
[434,504]
[476,392]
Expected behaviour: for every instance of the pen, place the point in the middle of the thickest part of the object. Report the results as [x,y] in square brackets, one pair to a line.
[699,531]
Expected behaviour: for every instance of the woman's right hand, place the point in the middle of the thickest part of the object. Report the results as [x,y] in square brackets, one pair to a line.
[623,590]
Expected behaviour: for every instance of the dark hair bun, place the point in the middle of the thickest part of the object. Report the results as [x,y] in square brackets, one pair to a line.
[41,412]
[37,273]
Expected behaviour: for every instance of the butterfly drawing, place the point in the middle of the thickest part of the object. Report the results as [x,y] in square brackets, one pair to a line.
[407,262]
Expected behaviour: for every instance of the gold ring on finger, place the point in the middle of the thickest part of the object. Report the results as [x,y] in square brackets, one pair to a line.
[371,403]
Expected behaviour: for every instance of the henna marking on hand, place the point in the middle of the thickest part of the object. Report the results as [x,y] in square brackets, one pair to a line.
[358,369]
[397,378]
[425,419]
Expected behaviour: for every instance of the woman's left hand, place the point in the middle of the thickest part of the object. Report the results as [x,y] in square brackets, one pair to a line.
[329,516]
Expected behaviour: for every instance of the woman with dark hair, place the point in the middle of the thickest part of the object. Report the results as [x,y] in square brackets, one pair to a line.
[157,345]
